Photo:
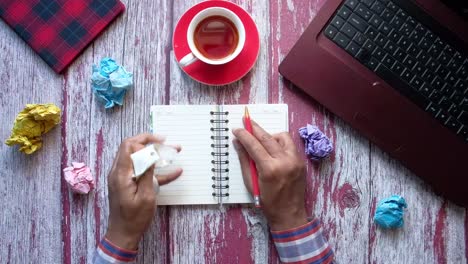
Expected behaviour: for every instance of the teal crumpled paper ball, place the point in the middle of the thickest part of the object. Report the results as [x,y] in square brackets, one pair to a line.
[389,213]
[110,82]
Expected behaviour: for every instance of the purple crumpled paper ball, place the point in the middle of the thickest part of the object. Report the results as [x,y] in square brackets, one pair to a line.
[317,145]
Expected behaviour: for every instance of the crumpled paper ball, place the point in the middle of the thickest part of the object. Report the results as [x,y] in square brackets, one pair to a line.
[110,82]
[317,145]
[30,124]
[79,178]
[389,213]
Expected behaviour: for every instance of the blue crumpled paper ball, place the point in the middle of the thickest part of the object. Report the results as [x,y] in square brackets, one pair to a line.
[110,82]
[389,213]
[317,145]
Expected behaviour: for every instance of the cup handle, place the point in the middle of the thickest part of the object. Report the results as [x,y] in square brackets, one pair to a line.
[187,60]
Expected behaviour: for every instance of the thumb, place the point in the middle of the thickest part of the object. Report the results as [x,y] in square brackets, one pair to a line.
[145,183]
[244,162]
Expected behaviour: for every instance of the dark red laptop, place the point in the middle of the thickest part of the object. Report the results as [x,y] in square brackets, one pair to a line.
[397,71]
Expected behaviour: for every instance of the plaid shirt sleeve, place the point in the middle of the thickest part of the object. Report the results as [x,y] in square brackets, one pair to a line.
[304,244]
[107,252]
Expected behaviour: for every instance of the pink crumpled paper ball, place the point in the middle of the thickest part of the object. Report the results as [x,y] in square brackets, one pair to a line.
[79,178]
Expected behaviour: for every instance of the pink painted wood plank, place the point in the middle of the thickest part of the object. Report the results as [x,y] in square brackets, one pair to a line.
[342,191]
[29,184]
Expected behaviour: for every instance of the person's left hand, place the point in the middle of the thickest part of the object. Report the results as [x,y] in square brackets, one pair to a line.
[132,204]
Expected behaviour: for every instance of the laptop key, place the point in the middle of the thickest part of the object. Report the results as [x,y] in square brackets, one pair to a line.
[390,47]
[464,133]
[442,117]
[351,4]
[404,43]
[433,110]
[371,33]
[359,23]
[344,12]
[451,79]
[421,29]
[463,72]
[424,44]
[413,50]
[348,30]
[435,95]
[463,117]
[456,97]
[428,76]
[432,65]
[454,65]
[364,55]
[387,15]
[377,7]
[341,40]
[370,46]
[388,61]
[402,14]
[442,72]
[372,64]
[411,21]
[338,22]
[437,83]
[363,11]
[396,22]
[399,55]
[443,58]
[398,68]
[461,85]
[407,75]
[368,2]
[385,28]
[352,48]
[381,40]
[330,32]
[395,36]
[379,54]
[416,37]
[416,83]
[359,38]
[426,90]
[406,29]
[419,69]
[430,36]
[423,58]
[376,21]
[455,111]
[392,6]
[449,51]
[453,124]
[409,61]
[445,103]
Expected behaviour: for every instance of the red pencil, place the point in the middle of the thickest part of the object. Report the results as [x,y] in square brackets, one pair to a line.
[253,169]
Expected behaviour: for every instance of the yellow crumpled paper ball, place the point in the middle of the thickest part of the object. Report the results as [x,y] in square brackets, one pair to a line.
[30,124]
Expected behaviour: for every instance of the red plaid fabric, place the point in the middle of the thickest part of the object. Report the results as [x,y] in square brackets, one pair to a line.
[58,30]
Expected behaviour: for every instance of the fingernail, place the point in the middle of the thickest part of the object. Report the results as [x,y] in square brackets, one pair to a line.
[235,144]
[235,130]
[160,137]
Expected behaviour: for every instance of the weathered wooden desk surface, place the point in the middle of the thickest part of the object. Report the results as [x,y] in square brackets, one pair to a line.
[42,222]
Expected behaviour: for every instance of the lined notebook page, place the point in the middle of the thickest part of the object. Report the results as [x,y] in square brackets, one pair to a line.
[189,126]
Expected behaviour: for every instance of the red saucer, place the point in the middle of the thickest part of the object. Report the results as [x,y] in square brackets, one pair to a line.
[218,74]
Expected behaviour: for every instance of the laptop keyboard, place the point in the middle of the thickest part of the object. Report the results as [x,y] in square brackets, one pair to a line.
[393,42]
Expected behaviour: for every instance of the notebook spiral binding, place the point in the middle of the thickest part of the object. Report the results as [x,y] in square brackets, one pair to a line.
[220,153]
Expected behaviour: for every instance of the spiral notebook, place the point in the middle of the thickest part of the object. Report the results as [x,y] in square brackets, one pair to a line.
[212,173]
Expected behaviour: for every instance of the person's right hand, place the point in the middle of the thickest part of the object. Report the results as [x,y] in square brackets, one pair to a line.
[281,175]
[132,203]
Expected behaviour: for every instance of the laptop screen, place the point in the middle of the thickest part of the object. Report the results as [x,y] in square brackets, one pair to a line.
[459,6]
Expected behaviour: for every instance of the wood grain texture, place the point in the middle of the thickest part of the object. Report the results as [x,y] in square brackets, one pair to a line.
[29,184]
[43,222]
